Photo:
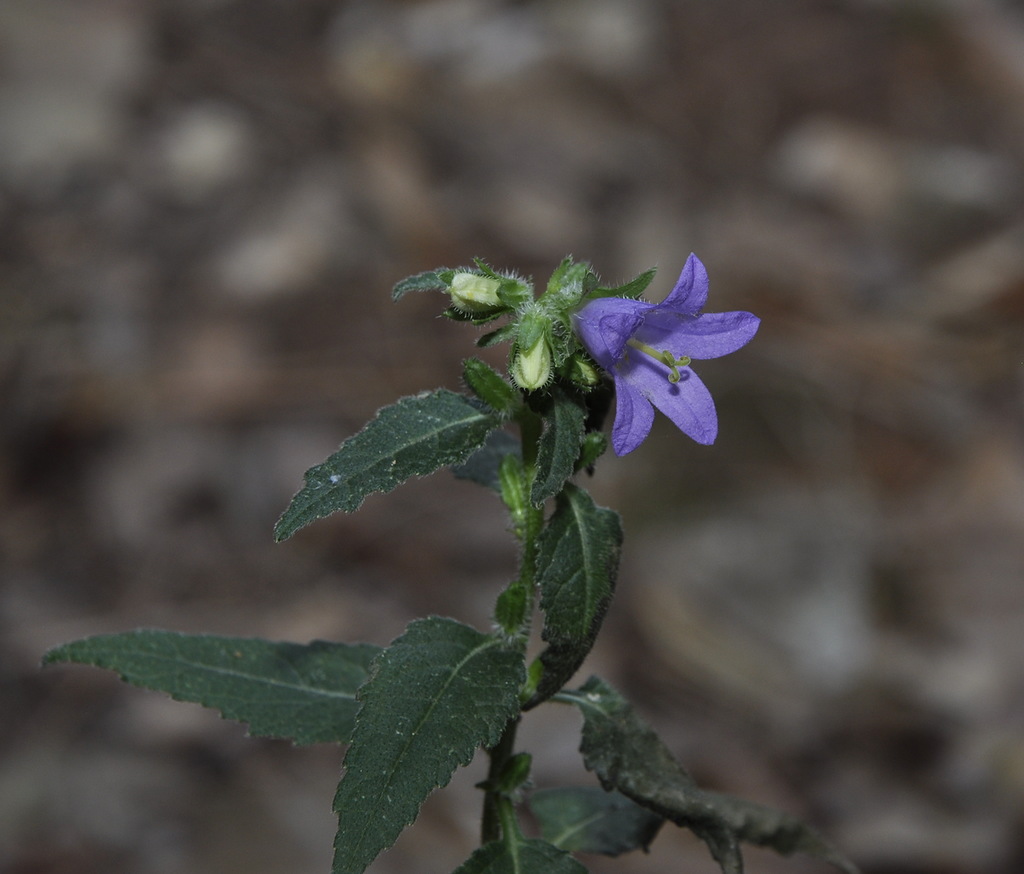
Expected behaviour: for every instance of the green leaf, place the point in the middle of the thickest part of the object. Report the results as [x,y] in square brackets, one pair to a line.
[303,692]
[577,562]
[413,437]
[483,466]
[632,289]
[593,447]
[429,280]
[559,445]
[628,756]
[491,387]
[520,856]
[439,692]
[484,318]
[568,274]
[588,819]
[499,335]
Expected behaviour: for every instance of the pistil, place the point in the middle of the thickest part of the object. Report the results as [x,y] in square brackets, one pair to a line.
[664,356]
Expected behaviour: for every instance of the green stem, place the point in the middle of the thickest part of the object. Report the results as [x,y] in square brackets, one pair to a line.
[497,808]
[510,831]
[530,426]
[500,753]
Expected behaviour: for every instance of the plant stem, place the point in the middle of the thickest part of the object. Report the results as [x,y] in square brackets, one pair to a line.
[496,806]
[500,753]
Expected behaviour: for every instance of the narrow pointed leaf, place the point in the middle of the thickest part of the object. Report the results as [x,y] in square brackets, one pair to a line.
[439,692]
[413,437]
[559,445]
[577,562]
[588,819]
[306,693]
[520,856]
[490,386]
[499,335]
[429,280]
[632,289]
[628,756]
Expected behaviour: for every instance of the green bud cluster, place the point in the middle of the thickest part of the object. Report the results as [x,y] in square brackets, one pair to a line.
[543,346]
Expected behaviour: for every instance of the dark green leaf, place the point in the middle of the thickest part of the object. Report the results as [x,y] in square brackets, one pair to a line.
[559,446]
[287,690]
[520,856]
[429,280]
[628,756]
[491,387]
[577,561]
[588,819]
[413,437]
[483,465]
[439,692]
[632,289]
[457,315]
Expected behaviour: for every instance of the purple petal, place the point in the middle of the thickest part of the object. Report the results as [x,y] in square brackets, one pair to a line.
[606,324]
[634,417]
[687,403]
[710,335]
[690,292]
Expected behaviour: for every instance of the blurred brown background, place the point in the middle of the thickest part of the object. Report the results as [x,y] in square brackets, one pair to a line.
[203,207]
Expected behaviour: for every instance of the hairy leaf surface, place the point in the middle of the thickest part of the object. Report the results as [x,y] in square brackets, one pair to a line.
[577,562]
[413,437]
[439,692]
[429,280]
[491,387]
[628,756]
[588,819]
[632,289]
[303,692]
[559,445]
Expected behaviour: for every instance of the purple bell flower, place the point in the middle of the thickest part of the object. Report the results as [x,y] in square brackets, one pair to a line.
[647,348]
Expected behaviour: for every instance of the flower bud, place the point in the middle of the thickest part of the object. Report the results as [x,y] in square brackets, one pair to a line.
[531,368]
[583,373]
[473,293]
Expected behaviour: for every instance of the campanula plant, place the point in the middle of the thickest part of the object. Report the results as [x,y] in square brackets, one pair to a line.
[414,710]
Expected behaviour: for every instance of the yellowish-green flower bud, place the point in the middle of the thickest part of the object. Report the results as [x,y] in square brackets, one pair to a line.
[531,368]
[473,293]
[583,372]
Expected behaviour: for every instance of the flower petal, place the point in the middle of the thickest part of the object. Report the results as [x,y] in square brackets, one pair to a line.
[710,335]
[606,324]
[690,292]
[687,403]
[634,417]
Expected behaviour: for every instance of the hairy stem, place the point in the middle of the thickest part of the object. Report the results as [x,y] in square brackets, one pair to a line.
[497,808]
